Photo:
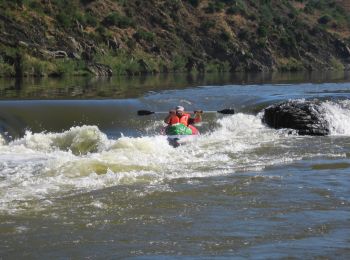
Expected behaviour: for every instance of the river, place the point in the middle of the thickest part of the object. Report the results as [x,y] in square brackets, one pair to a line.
[83,176]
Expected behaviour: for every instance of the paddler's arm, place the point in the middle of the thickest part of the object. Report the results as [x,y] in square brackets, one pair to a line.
[197,117]
[171,114]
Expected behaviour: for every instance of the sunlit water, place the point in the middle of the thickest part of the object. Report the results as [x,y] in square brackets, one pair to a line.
[89,178]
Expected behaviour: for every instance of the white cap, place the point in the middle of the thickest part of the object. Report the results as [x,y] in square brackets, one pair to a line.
[180,108]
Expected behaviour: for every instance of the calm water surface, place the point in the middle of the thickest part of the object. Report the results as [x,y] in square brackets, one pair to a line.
[82,176]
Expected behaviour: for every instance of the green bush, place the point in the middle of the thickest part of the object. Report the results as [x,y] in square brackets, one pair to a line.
[243,34]
[239,7]
[123,63]
[233,10]
[64,20]
[179,63]
[224,35]
[68,67]
[336,64]
[194,3]
[214,7]
[261,42]
[322,5]
[266,13]
[6,70]
[33,66]
[262,30]
[18,2]
[35,5]
[91,20]
[207,25]
[144,35]
[325,19]
[85,2]
[227,1]
[87,19]
[292,65]
[115,19]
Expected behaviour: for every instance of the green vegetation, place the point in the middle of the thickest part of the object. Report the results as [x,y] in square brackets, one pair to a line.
[6,70]
[194,3]
[115,19]
[64,37]
[291,65]
[144,35]
[213,7]
[85,2]
[207,25]
[336,64]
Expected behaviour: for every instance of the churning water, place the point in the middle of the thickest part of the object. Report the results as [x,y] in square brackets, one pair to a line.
[89,178]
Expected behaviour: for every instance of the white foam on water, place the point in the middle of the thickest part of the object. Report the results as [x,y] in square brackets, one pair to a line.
[79,140]
[338,117]
[41,167]
[2,140]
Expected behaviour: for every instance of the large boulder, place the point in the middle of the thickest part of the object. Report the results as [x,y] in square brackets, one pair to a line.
[306,117]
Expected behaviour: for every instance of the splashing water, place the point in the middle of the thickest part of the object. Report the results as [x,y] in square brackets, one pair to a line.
[42,166]
[338,117]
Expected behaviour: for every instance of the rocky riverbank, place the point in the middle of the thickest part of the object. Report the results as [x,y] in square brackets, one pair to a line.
[104,37]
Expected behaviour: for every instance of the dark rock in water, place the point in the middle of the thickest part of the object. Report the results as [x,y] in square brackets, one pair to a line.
[306,117]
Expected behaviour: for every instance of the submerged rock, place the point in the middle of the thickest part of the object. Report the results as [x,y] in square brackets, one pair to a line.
[306,117]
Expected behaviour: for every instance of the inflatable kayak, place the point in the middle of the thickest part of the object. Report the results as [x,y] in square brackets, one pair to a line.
[180,134]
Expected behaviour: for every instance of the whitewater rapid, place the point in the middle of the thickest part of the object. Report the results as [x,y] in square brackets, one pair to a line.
[41,167]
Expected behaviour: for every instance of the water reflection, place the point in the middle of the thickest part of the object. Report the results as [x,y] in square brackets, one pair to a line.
[131,87]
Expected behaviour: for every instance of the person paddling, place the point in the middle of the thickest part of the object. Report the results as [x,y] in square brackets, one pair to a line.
[179,116]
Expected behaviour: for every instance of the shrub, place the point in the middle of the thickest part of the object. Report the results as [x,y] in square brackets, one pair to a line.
[33,66]
[87,19]
[85,2]
[101,30]
[35,5]
[311,5]
[325,19]
[243,34]
[262,30]
[194,3]
[239,7]
[115,19]
[233,10]
[144,35]
[227,1]
[6,70]
[224,35]
[214,7]
[266,13]
[261,42]
[179,63]
[336,64]
[68,67]
[91,20]
[207,25]
[278,20]
[64,20]
[19,2]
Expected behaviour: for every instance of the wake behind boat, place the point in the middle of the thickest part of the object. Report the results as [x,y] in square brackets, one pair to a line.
[177,140]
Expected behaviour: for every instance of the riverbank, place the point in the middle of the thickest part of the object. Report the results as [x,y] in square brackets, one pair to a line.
[87,37]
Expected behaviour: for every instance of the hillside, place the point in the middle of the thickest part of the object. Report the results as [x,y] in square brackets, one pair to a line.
[105,37]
